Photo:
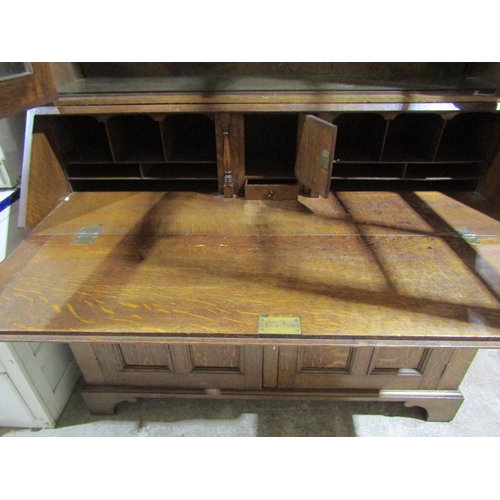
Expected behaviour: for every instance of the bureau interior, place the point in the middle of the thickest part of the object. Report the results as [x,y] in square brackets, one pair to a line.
[134,152]
[178,152]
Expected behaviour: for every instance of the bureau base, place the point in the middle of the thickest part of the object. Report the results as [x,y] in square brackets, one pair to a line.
[417,376]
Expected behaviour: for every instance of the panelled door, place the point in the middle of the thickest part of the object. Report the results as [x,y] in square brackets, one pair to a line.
[196,366]
[325,367]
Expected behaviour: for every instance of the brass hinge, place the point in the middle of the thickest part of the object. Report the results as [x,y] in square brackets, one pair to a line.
[323,159]
[467,235]
[87,235]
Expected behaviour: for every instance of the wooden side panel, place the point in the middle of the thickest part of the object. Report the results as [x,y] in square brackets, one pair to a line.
[20,94]
[88,363]
[316,154]
[65,73]
[456,368]
[44,182]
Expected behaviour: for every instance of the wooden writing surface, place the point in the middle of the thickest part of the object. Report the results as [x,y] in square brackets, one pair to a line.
[341,286]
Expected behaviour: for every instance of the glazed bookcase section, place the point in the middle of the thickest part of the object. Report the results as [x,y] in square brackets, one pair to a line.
[413,151]
[135,152]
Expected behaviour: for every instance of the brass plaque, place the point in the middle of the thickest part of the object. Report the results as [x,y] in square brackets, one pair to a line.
[280,325]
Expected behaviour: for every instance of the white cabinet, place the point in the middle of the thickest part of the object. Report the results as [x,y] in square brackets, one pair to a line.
[36,381]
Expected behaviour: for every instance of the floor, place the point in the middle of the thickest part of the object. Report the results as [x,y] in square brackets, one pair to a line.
[479,415]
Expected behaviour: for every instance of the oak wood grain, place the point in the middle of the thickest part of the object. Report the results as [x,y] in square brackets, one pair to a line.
[341,286]
[25,92]
[456,368]
[333,369]
[65,73]
[270,191]
[45,184]
[380,213]
[270,366]
[212,367]
[16,261]
[316,154]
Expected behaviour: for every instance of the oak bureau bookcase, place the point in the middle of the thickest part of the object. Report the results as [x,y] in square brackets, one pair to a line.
[262,231]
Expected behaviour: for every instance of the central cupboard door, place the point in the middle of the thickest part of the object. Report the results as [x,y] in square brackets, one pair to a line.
[195,366]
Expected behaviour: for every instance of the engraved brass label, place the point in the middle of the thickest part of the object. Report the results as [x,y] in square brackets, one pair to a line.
[280,325]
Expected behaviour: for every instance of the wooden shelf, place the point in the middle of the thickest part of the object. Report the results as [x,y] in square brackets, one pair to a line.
[368,170]
[186,171]
[382,184]
[445,171]
[149,185]
[103,170]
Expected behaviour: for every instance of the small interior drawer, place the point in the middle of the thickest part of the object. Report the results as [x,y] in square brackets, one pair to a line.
[260,189]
